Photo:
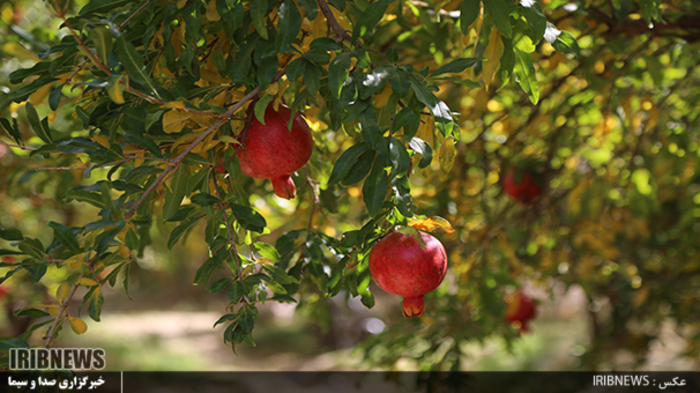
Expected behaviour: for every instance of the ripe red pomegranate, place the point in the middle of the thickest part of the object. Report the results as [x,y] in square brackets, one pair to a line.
[525,191]
[220,166]
[271,151]
[400,266]
[520,308]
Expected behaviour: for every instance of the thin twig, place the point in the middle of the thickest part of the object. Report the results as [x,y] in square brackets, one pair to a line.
[121,26]
[64,305]
[229,228]
[326,10]
[316,201]
[16,146]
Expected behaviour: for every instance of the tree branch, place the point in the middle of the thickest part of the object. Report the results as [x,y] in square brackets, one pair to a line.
[64,305]
[337,28]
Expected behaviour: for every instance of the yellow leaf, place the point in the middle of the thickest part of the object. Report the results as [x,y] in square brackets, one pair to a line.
[78,325]
[229,139]
[174,105]
[116,91]
[87,282]
[174,121]
[102,140]
[447,153]
[38,96]
[212,14]
[18,51]
[266,261]
[272,89]
[493,54]
[434,224]
[76,260]
[62,292]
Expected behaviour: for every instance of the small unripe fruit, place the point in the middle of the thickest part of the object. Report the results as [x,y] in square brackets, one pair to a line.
[400,266]
[524,191]
[220,167]
[520,309]
[272,151]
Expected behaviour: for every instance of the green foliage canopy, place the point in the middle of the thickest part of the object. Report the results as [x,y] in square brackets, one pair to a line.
[418,109]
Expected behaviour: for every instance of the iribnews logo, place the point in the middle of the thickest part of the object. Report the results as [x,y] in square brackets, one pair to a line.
[57,359]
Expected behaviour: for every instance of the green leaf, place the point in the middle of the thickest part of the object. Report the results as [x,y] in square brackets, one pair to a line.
[131,240]
[24,92]
[203,274]
[95,306]
[326,44]
[37,125]
[360,169]
[525,71]
[399,81]
[133,63]
[92,198]
[375,188]
[317,55]
[374,82]
[31,313]
[18,76]
[423,148]
[468,13]
[11,234]
[65,236]
[566,43]
[441,112]
[338,73]
[398,155]
[500,14]
[258,12]
[235,292]
[226,318]
[248,217]
[261,107]
[295,69]
[455,66]
[13,131]
[181,229]
[55,97]
[37,271]
[346,161]
[651,9]
[106,192]
[176,193]
[279,275]
[268,251]
[33,247]
[535,18]
[247,321]
[370,17]
[310,7]
[408,119]
[312,78]
[288,25]
[101,6]
[102,39]
[204,199]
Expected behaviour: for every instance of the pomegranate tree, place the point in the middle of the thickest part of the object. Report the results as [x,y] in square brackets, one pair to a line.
[520,309]
[399,265]
[272,151]
[525,190]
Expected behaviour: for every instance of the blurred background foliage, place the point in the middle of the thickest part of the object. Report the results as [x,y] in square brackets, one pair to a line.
[608,249]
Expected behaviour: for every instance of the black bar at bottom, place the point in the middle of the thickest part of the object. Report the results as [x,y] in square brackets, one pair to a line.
[350,382]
